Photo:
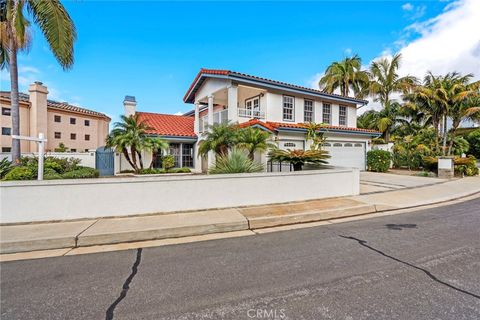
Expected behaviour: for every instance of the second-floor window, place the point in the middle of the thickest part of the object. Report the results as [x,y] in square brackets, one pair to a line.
[57,118]
[308,111]
[288,108]
[87,123]
[6,131]
[73,120]
[73,136]
[342,116]
[6,111]
[326,113]
[87,137]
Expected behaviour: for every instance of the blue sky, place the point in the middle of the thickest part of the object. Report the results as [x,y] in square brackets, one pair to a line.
[153,50]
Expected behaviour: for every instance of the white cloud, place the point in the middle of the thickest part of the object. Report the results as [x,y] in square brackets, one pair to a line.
[407,6]
[179,113]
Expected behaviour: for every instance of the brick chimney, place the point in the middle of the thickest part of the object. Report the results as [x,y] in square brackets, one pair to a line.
[38,111]
[129,105]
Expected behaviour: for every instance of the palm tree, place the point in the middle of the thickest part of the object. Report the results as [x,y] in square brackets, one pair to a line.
[235,162]
[155,145]
[345,75]
[57,27]
[384,81]
[219,138]
[253,140]
[129,133]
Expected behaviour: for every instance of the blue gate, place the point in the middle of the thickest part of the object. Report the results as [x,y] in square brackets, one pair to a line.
[104,161]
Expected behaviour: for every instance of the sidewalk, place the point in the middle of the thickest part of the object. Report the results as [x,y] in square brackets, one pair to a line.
[58,235]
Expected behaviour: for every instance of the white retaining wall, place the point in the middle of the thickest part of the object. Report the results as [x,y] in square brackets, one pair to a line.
[73,199]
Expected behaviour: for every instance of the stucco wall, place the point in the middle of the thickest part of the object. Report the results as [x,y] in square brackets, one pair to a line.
[73,199]
[87,159]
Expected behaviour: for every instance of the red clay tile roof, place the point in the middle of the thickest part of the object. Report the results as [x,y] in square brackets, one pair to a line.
[169,124]
[57,105]
[275,125]
[51,104]
[204,71]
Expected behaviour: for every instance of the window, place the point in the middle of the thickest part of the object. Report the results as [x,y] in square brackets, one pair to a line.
[337,144]
[327,109]
[342,116]
[87,123]
[6,131]
[73,136]
[253,107]
[308,111]
[87,137]
[73,120]
[6,149]
[348,145]
[174,150]
[73,150]
[58,135]
[6,111]
[326,144]
[57,118]
[358,145]
[288,108]
[187,155]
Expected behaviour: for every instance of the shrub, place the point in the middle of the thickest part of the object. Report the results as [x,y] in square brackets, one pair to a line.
[460,146]
[127,171]
[50,174]
[378,141]
[53,165]
[235,162]
[473,139]
[168,161]
[378,160]
[463,166]
[81,173]
[180,170]
[5,167]
[299,157]
[20,173]
[151,171]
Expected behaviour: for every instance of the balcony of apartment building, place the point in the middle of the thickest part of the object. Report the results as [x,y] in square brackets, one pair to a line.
[232,103]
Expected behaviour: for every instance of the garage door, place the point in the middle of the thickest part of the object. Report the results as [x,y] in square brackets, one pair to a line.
[346,154]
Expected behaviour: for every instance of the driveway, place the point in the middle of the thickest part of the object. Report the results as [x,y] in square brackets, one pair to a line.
[374,182]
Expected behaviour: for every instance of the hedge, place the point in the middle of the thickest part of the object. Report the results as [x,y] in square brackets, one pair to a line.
[378,160]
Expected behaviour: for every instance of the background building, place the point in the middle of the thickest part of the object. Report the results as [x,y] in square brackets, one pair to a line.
[77,128]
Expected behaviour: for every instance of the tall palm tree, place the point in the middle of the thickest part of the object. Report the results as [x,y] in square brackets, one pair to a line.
[253,140]
[129,135]
[219,138]
[345,75]
[384,81]
[59,31]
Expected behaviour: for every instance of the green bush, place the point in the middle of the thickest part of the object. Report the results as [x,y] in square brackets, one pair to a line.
[152,171]
[168,161]
[299,157]
[127,171]
[378,160]
[5,167]
[50,174]
[463,166]
[180,170]
[81,173]
[235,162]
[20,173]
[53,165]
[473,139]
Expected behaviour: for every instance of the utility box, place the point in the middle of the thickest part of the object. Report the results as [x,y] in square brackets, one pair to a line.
[445,167]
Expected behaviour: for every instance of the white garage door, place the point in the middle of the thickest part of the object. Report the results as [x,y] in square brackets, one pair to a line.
[346,154]
[291,144]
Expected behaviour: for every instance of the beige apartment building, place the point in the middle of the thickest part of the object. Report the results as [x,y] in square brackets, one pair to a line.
[77,128]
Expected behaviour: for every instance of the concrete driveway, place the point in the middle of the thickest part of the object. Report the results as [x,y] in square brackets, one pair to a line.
[374,182]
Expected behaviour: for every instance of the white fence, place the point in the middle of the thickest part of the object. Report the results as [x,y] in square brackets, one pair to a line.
[87,159]
[26,201]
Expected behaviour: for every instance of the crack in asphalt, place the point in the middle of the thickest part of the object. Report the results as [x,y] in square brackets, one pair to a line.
[125,287]
[428,273]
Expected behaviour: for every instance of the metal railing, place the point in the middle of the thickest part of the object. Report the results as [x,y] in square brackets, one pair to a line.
[249,113]
[279,166]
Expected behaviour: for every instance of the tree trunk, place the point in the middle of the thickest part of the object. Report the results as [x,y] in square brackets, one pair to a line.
[15,112]
[445,135]
[251,155]
[133,152]
[454,132]
[140,159]
[297,166]
[125,153]
[154,155]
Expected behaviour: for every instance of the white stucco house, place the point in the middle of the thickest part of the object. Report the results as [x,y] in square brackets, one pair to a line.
[282,109]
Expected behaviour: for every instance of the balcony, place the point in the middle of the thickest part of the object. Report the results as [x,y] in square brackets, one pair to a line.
[218,117]
[249,113]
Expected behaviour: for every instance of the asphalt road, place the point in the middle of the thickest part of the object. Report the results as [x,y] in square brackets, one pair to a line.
[421,265]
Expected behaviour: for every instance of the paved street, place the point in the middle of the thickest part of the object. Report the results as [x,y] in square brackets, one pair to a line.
[420,265]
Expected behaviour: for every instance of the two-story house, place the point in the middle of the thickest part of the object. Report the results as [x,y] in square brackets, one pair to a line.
[283,109]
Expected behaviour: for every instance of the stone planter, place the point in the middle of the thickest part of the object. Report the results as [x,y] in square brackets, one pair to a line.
[445,167]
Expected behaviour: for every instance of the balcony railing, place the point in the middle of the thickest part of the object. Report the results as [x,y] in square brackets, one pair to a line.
[249,113]
[218,117]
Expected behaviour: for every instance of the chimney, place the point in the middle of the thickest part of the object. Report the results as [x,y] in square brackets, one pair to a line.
[38,111]
[130,105]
